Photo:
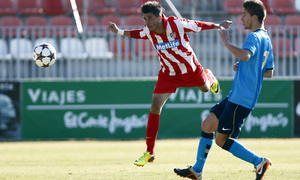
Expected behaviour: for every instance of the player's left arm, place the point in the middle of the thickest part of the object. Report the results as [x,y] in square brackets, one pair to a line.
[242,54]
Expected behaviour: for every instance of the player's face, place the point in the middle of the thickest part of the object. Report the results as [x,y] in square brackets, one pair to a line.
[151,21]
[246,19]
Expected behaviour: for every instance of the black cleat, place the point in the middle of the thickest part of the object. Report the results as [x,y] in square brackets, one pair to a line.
[262,168]
[188,173]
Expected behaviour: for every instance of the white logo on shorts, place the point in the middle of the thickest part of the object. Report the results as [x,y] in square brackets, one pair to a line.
[223,129]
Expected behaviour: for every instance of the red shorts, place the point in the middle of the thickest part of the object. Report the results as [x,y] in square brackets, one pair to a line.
[169,84]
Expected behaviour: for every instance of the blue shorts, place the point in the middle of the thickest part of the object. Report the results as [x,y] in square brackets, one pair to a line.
[231,117]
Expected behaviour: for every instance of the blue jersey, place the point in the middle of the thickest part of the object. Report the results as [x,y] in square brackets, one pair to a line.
[248,80]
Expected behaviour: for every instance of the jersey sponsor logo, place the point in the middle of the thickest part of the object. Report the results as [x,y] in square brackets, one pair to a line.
[168,45]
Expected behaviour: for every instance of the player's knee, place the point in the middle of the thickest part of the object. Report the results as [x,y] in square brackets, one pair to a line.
[155,109]
[208,126]
[204,88]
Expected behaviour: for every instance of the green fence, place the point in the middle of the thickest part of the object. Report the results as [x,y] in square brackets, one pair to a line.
[120,109]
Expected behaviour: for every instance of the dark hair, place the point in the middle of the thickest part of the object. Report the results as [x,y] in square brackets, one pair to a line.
[255,7]
[153,7]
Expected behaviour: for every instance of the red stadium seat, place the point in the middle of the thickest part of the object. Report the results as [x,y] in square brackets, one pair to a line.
[110,18]
[53,7]
[37,26]
[233,6]
[282,47]
[29,7]
[12,22]
[101,7]
[284,6]
[92,24]
[273,23]
[122,45]
[127,7]
[134,20]
[269,9]
[91,21]
[7,7]
[63,25]
[292,23]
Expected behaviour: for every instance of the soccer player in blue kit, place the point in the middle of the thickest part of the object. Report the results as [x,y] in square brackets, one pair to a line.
[227,117]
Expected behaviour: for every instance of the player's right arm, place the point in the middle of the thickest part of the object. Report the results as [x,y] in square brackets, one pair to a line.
[129,33]
[114,28]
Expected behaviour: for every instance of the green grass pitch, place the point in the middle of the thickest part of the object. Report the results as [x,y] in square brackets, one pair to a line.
[105,160]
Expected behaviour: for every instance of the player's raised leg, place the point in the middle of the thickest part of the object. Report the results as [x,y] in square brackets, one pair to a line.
[215,87]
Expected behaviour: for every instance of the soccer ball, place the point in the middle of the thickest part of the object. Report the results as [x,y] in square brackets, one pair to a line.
[44,55]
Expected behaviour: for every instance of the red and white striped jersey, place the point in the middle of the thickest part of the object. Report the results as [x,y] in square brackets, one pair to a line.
[173,46]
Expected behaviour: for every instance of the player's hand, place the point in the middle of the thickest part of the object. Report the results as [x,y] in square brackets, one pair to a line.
[225,24]
[235,66]
[224,35]
[113,27]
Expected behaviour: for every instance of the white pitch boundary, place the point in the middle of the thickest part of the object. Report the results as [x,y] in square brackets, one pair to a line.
[141,106]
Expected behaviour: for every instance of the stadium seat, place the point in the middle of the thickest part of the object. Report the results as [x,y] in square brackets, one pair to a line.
[233,6]
[53,7]
[269,9]
[92,24]
[91,21]
[292,23]
[102,7]
[282,47]
[72,48]
[97,48]
[37,26]
[134,20]
[29,7]
[13,26]
[110,18]
[127,7]
[80,6]
[7,7]
[145,49]
[20,49]
[273,23]
[120,45]
[3,50]
[284,6]
[62,25]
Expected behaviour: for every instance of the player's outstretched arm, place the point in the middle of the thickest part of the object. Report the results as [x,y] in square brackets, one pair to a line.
[225,24]
[114,28]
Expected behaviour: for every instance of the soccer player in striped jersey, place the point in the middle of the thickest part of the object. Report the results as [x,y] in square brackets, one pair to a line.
[227,117]
[179,64]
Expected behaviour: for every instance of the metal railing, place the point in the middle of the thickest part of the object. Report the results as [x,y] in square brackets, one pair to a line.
[101,54]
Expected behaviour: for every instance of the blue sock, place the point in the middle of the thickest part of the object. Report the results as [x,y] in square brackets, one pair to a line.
[205,144]
[240,151]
